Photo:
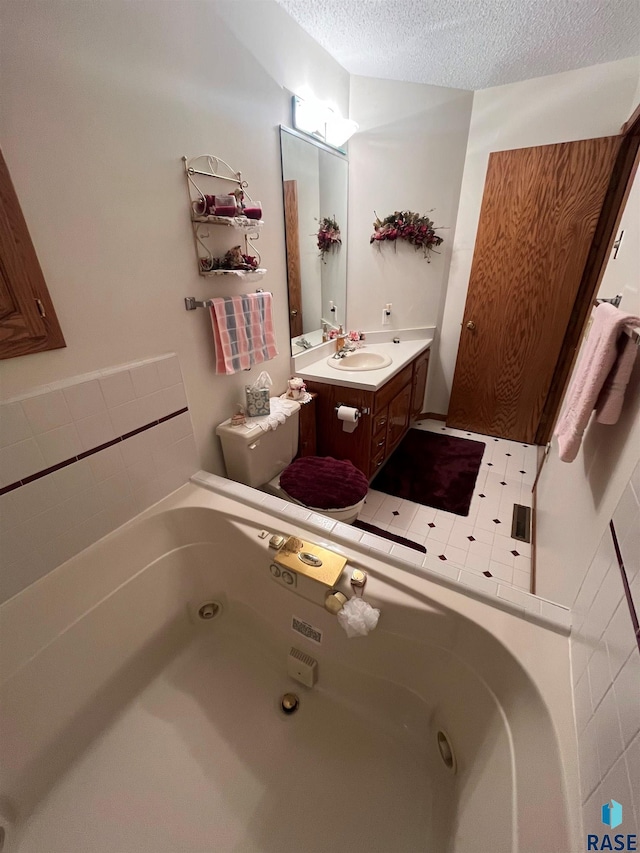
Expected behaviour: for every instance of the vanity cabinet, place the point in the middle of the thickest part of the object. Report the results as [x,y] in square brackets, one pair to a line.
[386,416]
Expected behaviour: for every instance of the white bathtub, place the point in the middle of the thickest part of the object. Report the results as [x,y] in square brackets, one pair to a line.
[131,726]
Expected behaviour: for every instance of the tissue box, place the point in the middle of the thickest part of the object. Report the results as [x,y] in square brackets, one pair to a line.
[257,402]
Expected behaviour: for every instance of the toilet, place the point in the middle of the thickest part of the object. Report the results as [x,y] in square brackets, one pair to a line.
[258,458]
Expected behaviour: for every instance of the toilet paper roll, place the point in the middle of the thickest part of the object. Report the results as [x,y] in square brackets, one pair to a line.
[349,417]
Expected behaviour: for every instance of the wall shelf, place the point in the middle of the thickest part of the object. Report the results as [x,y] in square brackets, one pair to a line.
[240,273]
[206,172]
[241,223]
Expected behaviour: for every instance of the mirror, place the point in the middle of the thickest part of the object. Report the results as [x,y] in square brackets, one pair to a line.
[315,184]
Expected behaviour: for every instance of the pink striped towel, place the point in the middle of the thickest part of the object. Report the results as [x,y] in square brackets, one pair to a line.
[600,378]
[243,331]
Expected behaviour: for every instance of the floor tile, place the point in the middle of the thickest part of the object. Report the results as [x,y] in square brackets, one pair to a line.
[454,555]
[418,529]
[480,542]
[480,549]
[521,580]
[438,534]
[501,572]
[444,520]
[477,562]
[485,536]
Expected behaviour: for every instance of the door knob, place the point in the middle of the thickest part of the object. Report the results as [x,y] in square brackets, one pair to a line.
[294,312]
[471,325]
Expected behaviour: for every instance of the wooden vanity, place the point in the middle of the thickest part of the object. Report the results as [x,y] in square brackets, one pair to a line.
[387,413]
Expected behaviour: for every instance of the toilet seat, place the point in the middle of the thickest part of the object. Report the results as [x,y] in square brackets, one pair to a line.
[327,485]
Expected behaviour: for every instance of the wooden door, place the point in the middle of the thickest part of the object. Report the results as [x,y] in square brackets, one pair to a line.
[292,238]
[539,213]
[28,321]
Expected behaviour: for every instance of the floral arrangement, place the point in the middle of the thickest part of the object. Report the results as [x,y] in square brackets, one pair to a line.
[328,235]
[406,225]
[234,259]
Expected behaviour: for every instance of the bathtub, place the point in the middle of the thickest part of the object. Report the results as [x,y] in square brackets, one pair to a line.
[132,725]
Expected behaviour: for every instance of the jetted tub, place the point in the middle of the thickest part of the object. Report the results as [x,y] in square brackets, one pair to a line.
[130,725]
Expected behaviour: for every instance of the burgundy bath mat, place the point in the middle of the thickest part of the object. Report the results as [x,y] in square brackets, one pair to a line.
[434,470]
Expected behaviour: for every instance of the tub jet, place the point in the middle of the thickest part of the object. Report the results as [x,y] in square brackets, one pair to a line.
[446,751]
[208,610]
[290,703]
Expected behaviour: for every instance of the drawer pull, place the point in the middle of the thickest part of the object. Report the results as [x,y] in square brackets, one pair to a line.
[381,443]
[382,422]
[378,464]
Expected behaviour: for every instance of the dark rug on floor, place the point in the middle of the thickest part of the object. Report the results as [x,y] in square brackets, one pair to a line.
[434,470]
[400,540]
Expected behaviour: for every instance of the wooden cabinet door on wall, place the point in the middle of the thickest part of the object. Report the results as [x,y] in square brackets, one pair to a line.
[28,322]
[539,213]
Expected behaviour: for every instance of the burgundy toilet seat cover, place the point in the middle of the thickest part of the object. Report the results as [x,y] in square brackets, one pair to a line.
[322,482]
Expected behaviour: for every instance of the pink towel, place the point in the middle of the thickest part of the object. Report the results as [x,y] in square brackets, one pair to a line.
[243,331]
[600,378]
[611,397]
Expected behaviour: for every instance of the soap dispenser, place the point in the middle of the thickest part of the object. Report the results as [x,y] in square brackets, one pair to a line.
[340,338]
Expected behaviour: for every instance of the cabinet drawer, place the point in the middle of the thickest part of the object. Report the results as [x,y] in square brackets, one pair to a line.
[379,443]
[380,421]
[376,462]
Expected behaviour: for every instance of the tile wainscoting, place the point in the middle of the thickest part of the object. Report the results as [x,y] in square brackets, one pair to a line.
[82,456]
[606,671]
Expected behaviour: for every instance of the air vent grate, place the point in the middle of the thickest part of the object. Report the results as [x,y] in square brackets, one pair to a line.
[521,523]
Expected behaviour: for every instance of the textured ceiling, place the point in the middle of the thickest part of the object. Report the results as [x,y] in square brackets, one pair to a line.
[470,44]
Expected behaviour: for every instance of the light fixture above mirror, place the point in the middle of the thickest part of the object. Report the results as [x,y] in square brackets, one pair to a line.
[322,122]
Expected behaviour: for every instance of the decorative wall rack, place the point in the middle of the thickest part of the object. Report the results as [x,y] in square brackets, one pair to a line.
[206,172]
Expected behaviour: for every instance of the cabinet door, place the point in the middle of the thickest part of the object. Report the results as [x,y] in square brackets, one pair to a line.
[398,417]
[333,439]
[420,370]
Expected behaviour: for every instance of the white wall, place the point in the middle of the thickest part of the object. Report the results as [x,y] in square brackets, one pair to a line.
[579,104]
[100,101]
[581,496]
[606,671]
[408,155]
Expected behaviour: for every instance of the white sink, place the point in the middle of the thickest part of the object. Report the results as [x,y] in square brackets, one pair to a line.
[360,361]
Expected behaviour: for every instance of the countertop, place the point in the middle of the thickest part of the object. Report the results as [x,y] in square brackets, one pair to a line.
[367,380]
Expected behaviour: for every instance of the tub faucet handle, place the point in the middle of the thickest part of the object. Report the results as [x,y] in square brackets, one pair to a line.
[358,580]
[335,601]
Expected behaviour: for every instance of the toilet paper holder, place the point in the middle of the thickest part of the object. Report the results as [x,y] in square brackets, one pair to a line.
[365,410]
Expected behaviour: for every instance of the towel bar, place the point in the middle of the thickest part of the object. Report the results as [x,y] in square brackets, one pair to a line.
[634,333]
[191,303]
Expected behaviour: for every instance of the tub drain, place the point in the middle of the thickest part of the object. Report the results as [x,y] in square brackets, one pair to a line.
[446,751]
[290,703]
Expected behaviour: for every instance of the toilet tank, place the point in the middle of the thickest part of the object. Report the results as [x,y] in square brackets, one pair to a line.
[254,457]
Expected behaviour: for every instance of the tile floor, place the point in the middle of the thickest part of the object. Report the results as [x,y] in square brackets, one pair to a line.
[480,542]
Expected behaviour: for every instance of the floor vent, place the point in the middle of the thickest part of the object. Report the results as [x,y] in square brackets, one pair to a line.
[521,523]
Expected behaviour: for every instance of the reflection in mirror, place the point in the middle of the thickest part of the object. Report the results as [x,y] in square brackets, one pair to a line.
[315,186]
